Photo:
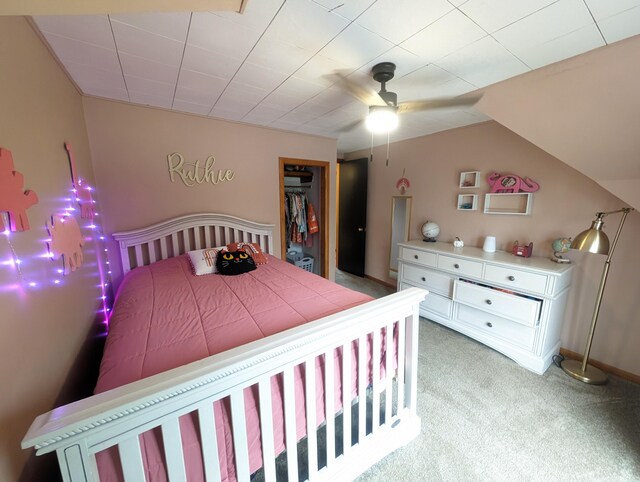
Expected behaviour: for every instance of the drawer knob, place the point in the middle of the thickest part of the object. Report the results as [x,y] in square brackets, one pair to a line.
[489,324]
[423,278]
[488,302]
[511,278]
[415,256]
[456,266]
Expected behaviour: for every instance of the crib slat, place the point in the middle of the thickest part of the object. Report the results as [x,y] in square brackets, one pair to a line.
[227,235]
[329,390]
[218,236]
[207,237]
[239,424]
[175,245]
[163,247]
[375,416]
[290,424]
[197,233]
[209,443]
[266,429]
[152,252]
[139,259]
[172,442]
[362,391]
[131,460]
[389,356]
[346,397]
[310,401]
[187,241]
[401,349]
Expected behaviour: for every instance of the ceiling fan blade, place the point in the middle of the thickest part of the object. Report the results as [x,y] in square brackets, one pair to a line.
[350,126]
[437,103]
[367,96]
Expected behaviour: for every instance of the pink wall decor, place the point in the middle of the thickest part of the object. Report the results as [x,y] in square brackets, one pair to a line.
[403,184]
[66,241]
[511,183]
[13,198]
[82,192]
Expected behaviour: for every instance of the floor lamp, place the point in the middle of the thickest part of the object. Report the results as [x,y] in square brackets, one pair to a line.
[594,240]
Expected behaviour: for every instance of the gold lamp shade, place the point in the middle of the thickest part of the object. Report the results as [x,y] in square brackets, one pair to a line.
[594,239]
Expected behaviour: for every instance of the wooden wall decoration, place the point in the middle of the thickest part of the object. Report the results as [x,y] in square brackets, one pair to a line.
[14,199]
[81,190]
[66,241]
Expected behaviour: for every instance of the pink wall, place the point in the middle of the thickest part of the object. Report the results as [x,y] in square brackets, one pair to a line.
[41,328]
[129,148]
[564,206]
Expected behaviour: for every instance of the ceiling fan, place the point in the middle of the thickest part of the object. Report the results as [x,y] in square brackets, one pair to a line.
[384,107]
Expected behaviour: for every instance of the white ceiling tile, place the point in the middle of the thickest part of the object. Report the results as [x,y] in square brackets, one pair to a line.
[350,10]
[256,15]
[218,34]
[356,46]
[245,93]
[306,25]
[397,20]
[427,90]
[239,107]
[150,87]
[201,82]
[172,25]
[210,63]
[205,97]
[88,76]
[259,76]
[281,101]
[316,69]
[147,45]
[280,56]
[298,116]
[482,63]
[264,114]
[606,8]
[93,29]
[333,97]
[574,43]
[68,50]
[148,69]
[446,35]
[300,88]
[151,100]
[182,106]
[621,26]
[114,94]
[554,21]
[493,15]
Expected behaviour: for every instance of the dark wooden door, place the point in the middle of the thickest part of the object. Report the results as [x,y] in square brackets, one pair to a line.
[352,215]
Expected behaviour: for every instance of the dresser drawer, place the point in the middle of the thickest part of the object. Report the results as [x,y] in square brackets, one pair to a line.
[416,256]
[426,278]
[517,308]
[434,303]
[495,326]
[460,266]
[517,279]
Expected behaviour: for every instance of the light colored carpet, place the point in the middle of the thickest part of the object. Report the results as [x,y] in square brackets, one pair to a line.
[486,418]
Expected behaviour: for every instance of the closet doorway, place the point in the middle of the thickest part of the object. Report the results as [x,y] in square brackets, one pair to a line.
[305,181]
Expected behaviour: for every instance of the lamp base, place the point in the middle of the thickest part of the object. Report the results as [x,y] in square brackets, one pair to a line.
[591,375]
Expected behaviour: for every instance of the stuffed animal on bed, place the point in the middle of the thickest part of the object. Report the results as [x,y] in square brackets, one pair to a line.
[231,263]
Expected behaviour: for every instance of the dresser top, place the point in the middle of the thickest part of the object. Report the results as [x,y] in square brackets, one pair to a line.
[499,257]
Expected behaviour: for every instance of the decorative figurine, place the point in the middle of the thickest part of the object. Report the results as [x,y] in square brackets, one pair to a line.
[510,183]
[524,250]
[458,243]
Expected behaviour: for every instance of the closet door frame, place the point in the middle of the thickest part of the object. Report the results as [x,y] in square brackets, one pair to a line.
[323,220]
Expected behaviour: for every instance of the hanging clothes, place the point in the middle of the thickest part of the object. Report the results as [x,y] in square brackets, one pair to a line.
[300,218]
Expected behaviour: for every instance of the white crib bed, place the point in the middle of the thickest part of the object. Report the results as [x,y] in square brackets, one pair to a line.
[117,418]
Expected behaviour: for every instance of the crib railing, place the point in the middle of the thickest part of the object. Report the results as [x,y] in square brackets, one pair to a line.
[380,328]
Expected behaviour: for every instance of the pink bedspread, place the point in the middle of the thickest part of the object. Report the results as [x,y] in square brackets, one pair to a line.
[165,317]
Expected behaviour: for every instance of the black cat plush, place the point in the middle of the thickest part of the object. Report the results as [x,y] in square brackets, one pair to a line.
[231,263]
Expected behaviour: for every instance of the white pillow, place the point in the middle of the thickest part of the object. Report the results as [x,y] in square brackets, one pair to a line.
[203,261]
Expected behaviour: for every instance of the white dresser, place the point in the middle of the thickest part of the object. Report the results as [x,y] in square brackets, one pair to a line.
[512,304]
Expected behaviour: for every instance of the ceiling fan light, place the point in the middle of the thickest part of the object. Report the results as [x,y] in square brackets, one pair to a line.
[382,119]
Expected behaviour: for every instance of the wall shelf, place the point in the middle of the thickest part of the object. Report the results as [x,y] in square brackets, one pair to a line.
[517,203]
[467,202]
[469,179]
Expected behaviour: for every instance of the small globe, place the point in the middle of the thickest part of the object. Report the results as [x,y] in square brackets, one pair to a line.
[430,231]
[561,245]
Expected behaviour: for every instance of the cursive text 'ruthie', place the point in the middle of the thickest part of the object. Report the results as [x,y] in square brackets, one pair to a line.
[194,173]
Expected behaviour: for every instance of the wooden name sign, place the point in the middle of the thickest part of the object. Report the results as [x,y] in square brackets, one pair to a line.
[192,173]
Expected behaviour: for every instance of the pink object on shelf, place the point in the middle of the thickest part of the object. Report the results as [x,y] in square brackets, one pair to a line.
[510,183]
[66,241]
[13,198]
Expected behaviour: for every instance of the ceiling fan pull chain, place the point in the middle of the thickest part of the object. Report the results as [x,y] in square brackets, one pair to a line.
[371,152]
[387,149]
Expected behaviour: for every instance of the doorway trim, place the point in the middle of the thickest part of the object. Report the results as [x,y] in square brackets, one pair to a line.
[325,167]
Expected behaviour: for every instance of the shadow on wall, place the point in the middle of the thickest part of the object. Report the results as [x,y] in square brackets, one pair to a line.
[79,384]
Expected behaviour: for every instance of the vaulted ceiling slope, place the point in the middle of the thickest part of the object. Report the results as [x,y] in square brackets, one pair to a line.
[585,111]
[272,64]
